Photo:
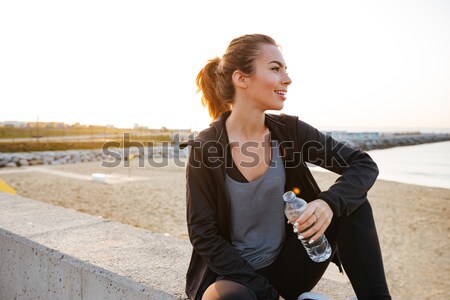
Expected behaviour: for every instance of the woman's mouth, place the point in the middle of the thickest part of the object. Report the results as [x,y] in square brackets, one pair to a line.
[281,93]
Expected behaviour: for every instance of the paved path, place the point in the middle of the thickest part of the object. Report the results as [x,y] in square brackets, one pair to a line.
[97,177]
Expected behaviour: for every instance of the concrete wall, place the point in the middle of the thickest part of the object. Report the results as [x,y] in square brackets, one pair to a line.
[49,252]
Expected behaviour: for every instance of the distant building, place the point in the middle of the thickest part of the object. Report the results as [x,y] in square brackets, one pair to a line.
[59,125]
[78,125]
[13,124]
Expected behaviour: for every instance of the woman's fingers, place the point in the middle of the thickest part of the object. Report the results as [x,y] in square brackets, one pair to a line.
[314,220]
[315,231]
[315,226]
[308,220]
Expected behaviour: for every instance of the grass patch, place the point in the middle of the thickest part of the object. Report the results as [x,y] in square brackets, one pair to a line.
[81,145]
[13,133]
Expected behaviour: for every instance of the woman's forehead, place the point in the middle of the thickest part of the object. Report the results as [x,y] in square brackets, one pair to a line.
[270,53]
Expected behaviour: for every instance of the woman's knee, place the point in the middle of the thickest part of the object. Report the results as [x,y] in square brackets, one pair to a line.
[228,290]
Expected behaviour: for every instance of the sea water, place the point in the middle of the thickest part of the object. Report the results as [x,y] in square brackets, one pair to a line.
[426,164]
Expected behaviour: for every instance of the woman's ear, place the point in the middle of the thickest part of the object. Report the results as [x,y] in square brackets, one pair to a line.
[240,79]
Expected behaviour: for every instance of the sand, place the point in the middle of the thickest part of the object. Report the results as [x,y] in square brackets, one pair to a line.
[412,221]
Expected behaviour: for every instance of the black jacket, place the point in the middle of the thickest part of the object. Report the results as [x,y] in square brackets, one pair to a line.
[208,212]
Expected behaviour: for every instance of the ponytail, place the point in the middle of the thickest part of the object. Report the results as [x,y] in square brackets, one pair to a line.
[208,82]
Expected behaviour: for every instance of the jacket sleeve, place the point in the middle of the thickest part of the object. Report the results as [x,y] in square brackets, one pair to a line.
[203,228]
[357,169]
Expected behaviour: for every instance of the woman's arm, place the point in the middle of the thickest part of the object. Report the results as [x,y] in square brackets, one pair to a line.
[358,171]
[204,234]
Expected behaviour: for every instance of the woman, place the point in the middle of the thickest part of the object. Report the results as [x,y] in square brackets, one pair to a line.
[238,170]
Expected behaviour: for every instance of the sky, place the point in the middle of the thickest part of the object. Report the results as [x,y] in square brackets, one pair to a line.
[354,64]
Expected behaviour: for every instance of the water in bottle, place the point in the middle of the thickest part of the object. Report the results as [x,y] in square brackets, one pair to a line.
[320,249]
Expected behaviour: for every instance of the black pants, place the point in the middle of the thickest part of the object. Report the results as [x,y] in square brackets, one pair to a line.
[293,272]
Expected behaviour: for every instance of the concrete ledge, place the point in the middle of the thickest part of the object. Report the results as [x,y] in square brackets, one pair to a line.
[49,252]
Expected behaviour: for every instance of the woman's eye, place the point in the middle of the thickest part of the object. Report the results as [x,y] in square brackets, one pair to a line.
[275,68]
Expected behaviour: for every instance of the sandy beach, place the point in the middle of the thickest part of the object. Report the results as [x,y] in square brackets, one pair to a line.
[412,221]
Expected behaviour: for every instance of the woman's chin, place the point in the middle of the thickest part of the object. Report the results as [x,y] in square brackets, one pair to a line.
[278,107]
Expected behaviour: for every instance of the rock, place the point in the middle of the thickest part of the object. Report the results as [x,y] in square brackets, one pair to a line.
[3,163]
[49,154]
[11,165]
[35,162]
[76,157]
[23,163]
[59,155]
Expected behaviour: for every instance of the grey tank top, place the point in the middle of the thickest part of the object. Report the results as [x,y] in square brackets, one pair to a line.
[257,213]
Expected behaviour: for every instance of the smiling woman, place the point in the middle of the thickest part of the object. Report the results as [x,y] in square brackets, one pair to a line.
[240,167]
[215,80]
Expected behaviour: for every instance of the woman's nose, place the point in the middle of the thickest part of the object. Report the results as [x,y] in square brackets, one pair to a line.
[287,80]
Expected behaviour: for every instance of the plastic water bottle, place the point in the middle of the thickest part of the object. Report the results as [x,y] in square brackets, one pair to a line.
[320,249]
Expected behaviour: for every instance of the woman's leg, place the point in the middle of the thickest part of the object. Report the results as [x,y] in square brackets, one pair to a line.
[294,272]
[228,290]
[360,253]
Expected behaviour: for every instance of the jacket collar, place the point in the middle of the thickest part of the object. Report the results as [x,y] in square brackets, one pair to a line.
[272,121]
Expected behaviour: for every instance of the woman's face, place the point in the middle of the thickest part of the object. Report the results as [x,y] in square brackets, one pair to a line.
[267,87]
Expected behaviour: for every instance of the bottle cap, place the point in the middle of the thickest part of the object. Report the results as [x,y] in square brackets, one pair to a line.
[289,196]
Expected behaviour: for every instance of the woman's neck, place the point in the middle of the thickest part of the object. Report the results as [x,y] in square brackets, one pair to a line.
[246,125]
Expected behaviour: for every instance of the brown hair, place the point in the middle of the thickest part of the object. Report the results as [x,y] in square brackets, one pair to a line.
[215,79]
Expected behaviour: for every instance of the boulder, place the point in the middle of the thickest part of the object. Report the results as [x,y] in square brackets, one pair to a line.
[23,162]
[35,162]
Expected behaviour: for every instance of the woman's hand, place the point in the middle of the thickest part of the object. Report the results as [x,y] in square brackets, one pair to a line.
[317,216]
